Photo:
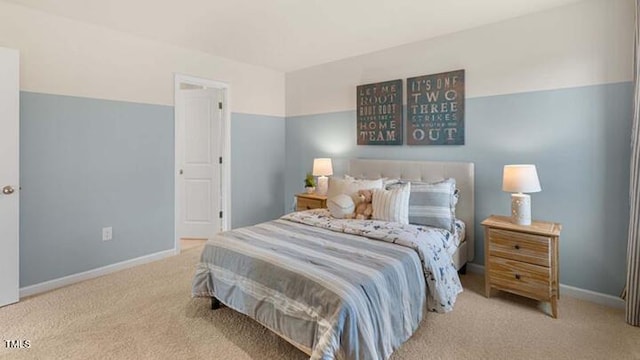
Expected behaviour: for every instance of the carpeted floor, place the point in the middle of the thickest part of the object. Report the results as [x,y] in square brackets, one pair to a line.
[147,313]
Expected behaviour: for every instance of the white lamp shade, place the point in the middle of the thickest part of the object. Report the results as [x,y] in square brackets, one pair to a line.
[322,167]
[520,179]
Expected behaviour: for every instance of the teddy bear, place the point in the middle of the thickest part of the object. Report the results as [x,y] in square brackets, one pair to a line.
[364,208]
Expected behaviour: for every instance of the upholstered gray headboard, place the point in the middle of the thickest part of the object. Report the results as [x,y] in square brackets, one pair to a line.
[428,171]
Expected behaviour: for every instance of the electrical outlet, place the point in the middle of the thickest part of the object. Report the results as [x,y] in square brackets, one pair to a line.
[107,233]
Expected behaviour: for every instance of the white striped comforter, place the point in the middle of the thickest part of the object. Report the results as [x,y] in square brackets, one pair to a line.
[330,288]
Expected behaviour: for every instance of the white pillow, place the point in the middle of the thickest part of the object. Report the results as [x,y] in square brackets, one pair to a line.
[385,181]
[350,187]
[341,206]
[392,205]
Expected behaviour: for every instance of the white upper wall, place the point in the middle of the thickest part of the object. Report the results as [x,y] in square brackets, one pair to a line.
[577,45]
[289,34]
[67,57]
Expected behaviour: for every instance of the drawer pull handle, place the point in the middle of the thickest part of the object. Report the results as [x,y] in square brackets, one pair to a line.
[517,247]
[308,207]
[517,276]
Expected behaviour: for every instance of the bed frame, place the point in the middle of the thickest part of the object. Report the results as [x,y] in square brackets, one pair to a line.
[430,171]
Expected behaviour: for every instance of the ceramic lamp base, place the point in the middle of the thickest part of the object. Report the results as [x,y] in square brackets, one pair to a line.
[521,209]
[323,185]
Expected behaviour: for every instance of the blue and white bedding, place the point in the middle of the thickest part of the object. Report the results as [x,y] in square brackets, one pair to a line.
[346,289]
[456,238]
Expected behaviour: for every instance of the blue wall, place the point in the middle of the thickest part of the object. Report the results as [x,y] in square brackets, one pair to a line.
[579,139]
[257,168]
[86,164]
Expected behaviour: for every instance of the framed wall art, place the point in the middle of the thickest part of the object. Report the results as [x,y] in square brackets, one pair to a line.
[435,109]
[379,113]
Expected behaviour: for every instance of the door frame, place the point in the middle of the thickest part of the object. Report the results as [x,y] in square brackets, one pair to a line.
[225,170]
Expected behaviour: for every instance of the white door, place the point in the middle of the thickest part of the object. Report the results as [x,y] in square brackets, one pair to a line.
[9,175]
[198,151]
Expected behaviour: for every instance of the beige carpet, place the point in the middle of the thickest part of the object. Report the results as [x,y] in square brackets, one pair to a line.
[186,244]
[147,313]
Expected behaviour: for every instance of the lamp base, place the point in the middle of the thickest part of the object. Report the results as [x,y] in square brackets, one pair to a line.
[521,209]
[323,185]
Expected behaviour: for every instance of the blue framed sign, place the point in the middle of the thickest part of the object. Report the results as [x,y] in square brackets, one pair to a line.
[435,109]
[379,118]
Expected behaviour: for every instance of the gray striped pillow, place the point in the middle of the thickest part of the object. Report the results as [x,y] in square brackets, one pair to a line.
[433,204]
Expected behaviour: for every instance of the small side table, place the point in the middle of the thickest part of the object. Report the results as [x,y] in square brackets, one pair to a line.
[310,201]
[522,259]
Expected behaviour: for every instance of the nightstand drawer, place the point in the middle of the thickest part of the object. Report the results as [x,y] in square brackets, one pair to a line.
[521,278]
[533,249]
[308,204]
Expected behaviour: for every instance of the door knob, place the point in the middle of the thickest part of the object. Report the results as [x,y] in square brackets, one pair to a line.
[7,190]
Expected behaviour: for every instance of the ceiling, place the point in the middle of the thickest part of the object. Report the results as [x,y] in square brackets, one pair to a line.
[287,35]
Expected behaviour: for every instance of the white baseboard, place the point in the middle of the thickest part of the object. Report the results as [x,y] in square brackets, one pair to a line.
[86,275]
[578,293]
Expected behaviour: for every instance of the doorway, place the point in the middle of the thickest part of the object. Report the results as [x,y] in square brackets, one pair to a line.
[202,147]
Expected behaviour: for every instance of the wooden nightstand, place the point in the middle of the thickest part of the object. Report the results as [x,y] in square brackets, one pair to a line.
[310,201]
[522,259]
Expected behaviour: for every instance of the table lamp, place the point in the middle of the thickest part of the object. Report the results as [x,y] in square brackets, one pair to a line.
[520,179]
[322,168]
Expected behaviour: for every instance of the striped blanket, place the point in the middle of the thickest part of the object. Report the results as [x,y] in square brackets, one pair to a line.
[341,289]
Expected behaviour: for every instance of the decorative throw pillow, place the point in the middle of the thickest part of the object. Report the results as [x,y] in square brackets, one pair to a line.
[350,187]
[341,206]
[433,204]
[392,205]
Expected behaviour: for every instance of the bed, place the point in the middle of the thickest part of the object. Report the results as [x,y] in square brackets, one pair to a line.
[346,289]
